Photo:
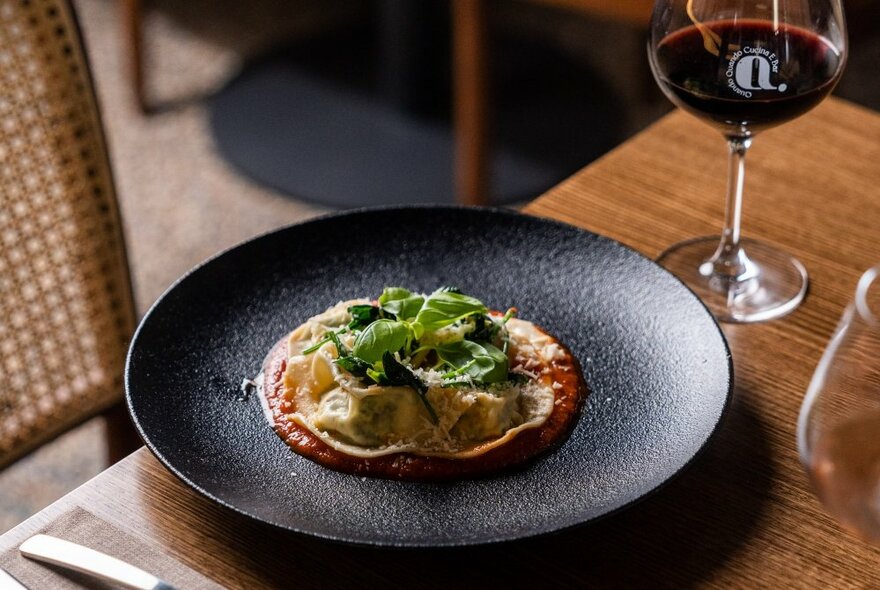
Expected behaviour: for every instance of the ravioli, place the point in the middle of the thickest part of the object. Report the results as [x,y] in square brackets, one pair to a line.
[376,389]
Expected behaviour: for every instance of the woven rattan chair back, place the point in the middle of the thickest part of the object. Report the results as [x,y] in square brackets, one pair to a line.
[66,311]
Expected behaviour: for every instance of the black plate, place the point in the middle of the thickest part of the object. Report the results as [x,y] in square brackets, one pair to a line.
[658,366]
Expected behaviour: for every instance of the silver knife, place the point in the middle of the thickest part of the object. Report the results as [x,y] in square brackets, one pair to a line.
[8,581]
[88,561]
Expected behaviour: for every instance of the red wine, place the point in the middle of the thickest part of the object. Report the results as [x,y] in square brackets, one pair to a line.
[745,75]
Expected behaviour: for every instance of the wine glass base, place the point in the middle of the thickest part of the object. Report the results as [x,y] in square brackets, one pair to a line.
[778,286]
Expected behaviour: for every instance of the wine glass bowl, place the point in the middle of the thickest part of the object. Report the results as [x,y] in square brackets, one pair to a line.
[742,67]
[751,70]
[839,422]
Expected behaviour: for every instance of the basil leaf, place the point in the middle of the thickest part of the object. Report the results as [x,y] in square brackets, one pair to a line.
[393,294]
[480,361]
[496,371]
[405,309]
[442,308]
[379,337]
[400,303]
[459,354]
[500,365]
[399,374]
[362,316]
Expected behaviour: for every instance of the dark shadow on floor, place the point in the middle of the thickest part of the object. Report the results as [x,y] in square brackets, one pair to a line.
[320,120]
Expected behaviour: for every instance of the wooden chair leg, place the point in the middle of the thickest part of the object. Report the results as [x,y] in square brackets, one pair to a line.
[470,101]
[132,23]
[122,438]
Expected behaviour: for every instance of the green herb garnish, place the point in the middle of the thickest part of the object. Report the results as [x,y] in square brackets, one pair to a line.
[354,365]
[398,374]
[446,331]
[443,308]
[482,362]
[363,315]
[400,303]
[379,337]
[329,336]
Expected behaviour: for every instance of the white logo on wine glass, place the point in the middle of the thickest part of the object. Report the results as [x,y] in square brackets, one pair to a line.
[750,68]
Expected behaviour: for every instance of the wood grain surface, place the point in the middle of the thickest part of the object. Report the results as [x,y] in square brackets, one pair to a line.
[741,516]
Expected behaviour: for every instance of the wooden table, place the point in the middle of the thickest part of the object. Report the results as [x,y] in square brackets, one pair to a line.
[741,516]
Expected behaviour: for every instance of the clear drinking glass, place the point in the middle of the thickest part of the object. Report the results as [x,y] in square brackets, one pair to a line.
[839,423]
[744,66]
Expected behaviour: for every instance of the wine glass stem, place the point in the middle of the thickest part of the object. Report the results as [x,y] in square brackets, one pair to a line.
[730,262]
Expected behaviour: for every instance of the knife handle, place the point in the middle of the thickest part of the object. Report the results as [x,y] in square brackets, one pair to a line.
[88,561]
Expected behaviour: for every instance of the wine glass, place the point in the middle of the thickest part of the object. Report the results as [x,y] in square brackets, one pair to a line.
[744,66]
[839,422]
